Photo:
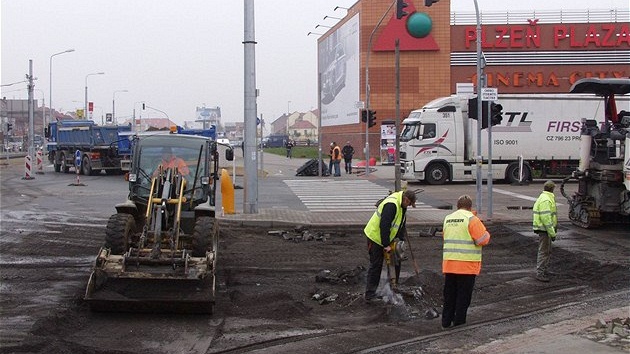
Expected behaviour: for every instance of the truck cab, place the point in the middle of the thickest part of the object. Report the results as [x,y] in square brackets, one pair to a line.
[429,141]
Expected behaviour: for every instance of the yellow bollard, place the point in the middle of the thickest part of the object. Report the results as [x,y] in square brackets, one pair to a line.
[227,192]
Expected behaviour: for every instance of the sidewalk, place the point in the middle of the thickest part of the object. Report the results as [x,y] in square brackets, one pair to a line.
[273,213]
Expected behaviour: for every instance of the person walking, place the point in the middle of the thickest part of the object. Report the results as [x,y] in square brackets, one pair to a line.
[464,236]
[330,162]
[347,153]
[545,224]
[289,146]
[336,159]
[386,224]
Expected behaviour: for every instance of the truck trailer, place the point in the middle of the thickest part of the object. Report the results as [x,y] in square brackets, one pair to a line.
[539,132]
[99,147]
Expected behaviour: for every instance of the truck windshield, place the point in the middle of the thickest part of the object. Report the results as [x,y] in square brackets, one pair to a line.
[410,131]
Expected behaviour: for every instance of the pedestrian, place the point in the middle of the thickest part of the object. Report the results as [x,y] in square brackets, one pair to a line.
[336,159]
[386,224]
[330,163]
[545,224]
[347,153]
[289,146]
[464,236]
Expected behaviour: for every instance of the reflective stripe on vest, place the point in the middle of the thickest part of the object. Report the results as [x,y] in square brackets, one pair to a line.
[372,229]
[458,243]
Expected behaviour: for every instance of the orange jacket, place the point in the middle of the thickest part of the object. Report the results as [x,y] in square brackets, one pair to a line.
[481,236]
[175,162]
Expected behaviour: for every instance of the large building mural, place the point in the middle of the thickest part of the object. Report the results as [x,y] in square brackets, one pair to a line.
[338,69]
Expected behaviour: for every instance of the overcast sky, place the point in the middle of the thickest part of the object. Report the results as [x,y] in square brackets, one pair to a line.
[179,55]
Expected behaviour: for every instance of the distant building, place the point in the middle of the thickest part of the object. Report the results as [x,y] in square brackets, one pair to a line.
[300,126]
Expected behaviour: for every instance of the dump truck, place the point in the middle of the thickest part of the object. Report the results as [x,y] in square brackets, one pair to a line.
[100,147]
[538,137]
[603,173]
[160,247]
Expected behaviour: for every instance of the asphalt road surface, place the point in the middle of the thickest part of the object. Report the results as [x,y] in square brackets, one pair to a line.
[284,292]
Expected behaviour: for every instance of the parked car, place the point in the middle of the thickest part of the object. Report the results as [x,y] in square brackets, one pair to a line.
[275,140]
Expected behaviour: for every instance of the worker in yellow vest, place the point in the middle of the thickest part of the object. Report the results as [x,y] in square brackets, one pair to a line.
[387,223]
[545,224]
[464,236]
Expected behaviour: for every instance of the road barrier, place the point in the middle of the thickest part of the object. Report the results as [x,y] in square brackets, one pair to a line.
[40,163]
[27,167]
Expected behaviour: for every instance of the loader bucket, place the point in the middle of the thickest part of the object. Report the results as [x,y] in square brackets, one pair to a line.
[139,283]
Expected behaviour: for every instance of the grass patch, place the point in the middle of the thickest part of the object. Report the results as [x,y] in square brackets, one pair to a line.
[307,152]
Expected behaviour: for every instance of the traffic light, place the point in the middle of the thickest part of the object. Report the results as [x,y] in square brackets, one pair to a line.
[143,106]
[400,9]
[364,116]
[9,127]
[428,3]
[496,110]
[472,111]
[371,118]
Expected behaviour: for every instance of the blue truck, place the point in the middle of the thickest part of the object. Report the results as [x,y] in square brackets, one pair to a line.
[101,148]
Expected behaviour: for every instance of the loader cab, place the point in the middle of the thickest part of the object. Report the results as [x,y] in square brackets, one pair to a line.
[149,152]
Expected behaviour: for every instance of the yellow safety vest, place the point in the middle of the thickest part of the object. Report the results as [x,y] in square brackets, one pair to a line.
[545,216]
[458,243]
[372,229]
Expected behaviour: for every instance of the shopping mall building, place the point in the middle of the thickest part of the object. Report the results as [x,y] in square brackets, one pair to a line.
[525,53]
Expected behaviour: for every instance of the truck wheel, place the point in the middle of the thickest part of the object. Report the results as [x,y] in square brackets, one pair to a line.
[436,174]
[513,171]
[64,165]
[119,232]
[202,236]
[86,166]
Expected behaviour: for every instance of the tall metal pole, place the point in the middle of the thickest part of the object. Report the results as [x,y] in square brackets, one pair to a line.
[397,183]
[86,112]
[250,195]
[319,123]
[31,111]
[479,111]
[50,103]
[367,90]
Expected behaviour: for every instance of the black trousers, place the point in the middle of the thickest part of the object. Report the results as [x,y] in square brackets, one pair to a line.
[374,271]
[458,289]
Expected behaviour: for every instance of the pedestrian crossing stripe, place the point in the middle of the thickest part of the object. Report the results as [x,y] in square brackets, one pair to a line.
[342,195]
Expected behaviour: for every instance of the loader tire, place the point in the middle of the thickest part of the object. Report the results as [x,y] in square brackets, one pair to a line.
[202,236]
[119,231]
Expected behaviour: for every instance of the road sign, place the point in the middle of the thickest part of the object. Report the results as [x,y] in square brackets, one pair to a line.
[108,117]
[77,158]
[359,105]
[489,94]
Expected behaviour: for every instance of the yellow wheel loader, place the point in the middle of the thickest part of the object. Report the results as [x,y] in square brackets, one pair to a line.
[160,249]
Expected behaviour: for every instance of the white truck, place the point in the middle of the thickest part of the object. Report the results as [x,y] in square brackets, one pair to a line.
[438,142]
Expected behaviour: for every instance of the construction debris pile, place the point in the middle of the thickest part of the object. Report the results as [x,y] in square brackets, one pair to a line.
[614,333]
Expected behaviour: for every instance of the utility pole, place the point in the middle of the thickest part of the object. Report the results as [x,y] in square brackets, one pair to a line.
[31,124]
[250,195]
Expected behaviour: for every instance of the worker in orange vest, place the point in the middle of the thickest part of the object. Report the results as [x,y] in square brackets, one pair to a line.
[464,236]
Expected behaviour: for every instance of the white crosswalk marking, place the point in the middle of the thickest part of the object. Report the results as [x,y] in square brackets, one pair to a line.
[336,194]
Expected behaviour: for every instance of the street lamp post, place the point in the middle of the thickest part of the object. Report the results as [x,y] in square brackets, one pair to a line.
[86,112]
[114,106]
[50,84]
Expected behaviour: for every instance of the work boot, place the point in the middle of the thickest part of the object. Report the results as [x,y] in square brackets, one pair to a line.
[373,299]
[542,277]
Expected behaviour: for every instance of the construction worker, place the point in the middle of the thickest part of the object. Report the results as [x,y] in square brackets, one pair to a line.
[169,160]
[464,236]
[387,223]
[545,224]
